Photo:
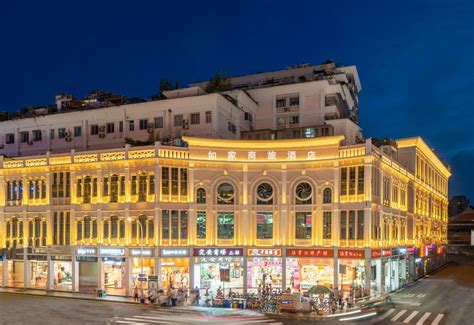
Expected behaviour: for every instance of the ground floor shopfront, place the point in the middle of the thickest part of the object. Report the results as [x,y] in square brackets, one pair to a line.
[353,272]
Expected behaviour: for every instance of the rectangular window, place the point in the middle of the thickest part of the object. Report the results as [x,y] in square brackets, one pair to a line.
[165,180]
[121,126]
[195,118]
[231,127]
[94,129]
[9,138]
[151,184]
[184,181]
[159,122]
[183,223]
[122,185]
[303,225]
[133,189]
[61,133]
[94,187]
[201,225]
[110,127]
[360,224]
[281,102]
[264,225]
[174,181]
[351,232]
[352,180]
[225,225]
[174,224]
[24,137]
[343,225]
[360,180]
[327,217]
[77,131]
[294,101]
[165,224]
[143,124]
[208,117]
[131,125]
[106,187]
[37,135]
[178,120]
[343,181]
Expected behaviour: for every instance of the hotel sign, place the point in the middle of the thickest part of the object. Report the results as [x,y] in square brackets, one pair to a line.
[264,252]
[306,252]
[351,253]
[146,252]
[218,251]
[173,252]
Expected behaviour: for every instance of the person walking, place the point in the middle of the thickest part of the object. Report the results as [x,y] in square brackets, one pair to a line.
[135,294]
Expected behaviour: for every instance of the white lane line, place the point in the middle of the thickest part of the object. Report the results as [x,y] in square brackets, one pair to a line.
[422,319]
[397,316]
[416,304]
[387,314]
[437,319]
[124,322]
[136,321]
[412,315]
[421,295]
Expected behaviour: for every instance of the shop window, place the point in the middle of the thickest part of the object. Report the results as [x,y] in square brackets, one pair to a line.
[327,195]
[225,194]
[225,225]
[264,225]
[303,193]
[201,196]
[303,225]
[201,224]
[114,188]
[327,223]
[264,194]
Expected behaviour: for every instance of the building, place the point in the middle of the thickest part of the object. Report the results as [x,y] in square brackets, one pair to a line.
[457,204]
[365,216]
[461,231]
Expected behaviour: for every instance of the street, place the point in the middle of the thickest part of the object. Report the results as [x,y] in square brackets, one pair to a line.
[445,297]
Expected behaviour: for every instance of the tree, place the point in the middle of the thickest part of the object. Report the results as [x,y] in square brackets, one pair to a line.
[219,82]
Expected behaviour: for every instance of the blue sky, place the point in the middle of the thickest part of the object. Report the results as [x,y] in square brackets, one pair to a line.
[415,58]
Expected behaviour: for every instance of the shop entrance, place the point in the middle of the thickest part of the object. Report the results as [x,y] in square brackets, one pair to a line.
[38,274]
[16,270]
[264,272]
[175,273]
[303,273]
[148,269]
[114,276]
[212,273]
[62,275]
[352,277]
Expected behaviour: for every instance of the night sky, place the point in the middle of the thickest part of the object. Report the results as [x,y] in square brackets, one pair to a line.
[415,58]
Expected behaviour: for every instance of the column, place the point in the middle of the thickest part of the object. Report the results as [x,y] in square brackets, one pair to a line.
[284,238]
[4,274]
[50,279]
[26,269]
[191,274]
[158,271]
[128,276]
[192,206]
[336,271]
[368,276]
[283,270]
[101,273]
[75,274]
[245,238]
[245,274]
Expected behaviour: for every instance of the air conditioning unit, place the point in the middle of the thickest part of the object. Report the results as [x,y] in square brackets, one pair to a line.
[68,138]
[30,142]
[186,124]
[68,134]
[102,135]
[151,129]
[101,128]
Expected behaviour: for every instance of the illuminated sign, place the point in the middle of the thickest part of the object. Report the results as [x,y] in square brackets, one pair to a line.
[351,253]
[268,155]
[174,252]
[310,252]
[109,251]
[86,251]
[147,252]
[386,252]
[376,253]
[218,251]
[264,252]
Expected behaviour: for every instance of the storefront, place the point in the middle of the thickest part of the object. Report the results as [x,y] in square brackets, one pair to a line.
[38,271]
[143,265]
[218,268]
[113,270]
[62,268]
[376,287]
[16,270]
[306,268]
[3,257]
[175,268]
[87,258]
[264,269]
[351,267]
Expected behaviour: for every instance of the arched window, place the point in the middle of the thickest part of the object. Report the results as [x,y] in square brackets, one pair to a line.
[14,227]
[201,196]
[327,195]
[225,194]
[303,193]
[264,193]
[114,188]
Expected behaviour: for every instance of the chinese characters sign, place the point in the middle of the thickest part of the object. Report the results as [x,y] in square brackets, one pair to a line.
[218,251]
[264,252]
[351,253]
[174,252]
[310,252]
[251,155]
[376,253]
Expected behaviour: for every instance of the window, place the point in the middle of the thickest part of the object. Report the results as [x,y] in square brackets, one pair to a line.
[327,218]
[87,190]
[37,135]
[352,180]
[142,188]
[303,225]
[225,225]
[24,137]
[159,122]
[61,185]
[61,133]
[201,225]
[165,182]
[114,188]
[208,117]
[143,124]
[248,116]
[61,228]
[264,225]
[9,138]
[352,227]
[303,193]
[294,101]
[231,127]
[195,118]
[360,224]
[94,129]
[110,127]
[121,126]
[178,120]
[131,125]
[295,119]
[174,181]
[310,133]
[343,225]
[183,180]
[327,195]
[225,194]
[177,222]
[281,102]
[77,131]
[201,196]
[264,194]
[360,180]
[351,234]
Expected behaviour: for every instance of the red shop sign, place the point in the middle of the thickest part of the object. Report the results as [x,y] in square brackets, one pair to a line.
[376,253]
[410,249]
[351,253]
[309,252]
[387,252]
[264,252]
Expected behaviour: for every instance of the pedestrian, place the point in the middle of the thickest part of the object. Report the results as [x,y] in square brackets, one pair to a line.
[142,296]
[135,294]
[333,306]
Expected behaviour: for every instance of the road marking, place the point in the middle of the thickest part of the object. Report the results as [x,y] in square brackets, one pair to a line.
[387,313]
[422,319]
[412,315]
[421,295]
[410,295]
[416,304]
[437,319]
[397,316]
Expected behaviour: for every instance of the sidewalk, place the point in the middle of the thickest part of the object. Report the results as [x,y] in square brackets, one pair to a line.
[67,295]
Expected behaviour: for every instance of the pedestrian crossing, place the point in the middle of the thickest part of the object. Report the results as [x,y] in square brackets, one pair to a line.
[194,315]
[406,316]
[414,295]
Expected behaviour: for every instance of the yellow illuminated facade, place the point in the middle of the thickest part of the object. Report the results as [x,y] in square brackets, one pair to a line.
[300,204]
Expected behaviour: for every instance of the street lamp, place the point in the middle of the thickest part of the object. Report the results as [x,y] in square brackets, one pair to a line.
[140,242]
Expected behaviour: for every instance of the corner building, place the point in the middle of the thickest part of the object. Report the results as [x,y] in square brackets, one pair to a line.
[365,218]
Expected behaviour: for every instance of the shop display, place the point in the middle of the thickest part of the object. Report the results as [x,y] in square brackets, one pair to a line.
[264,272]
[304,273]
[39,274]
[352,277]
[175,273]
[15,274]
[63,276]
[225,273]
[114,277]
[148,269]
